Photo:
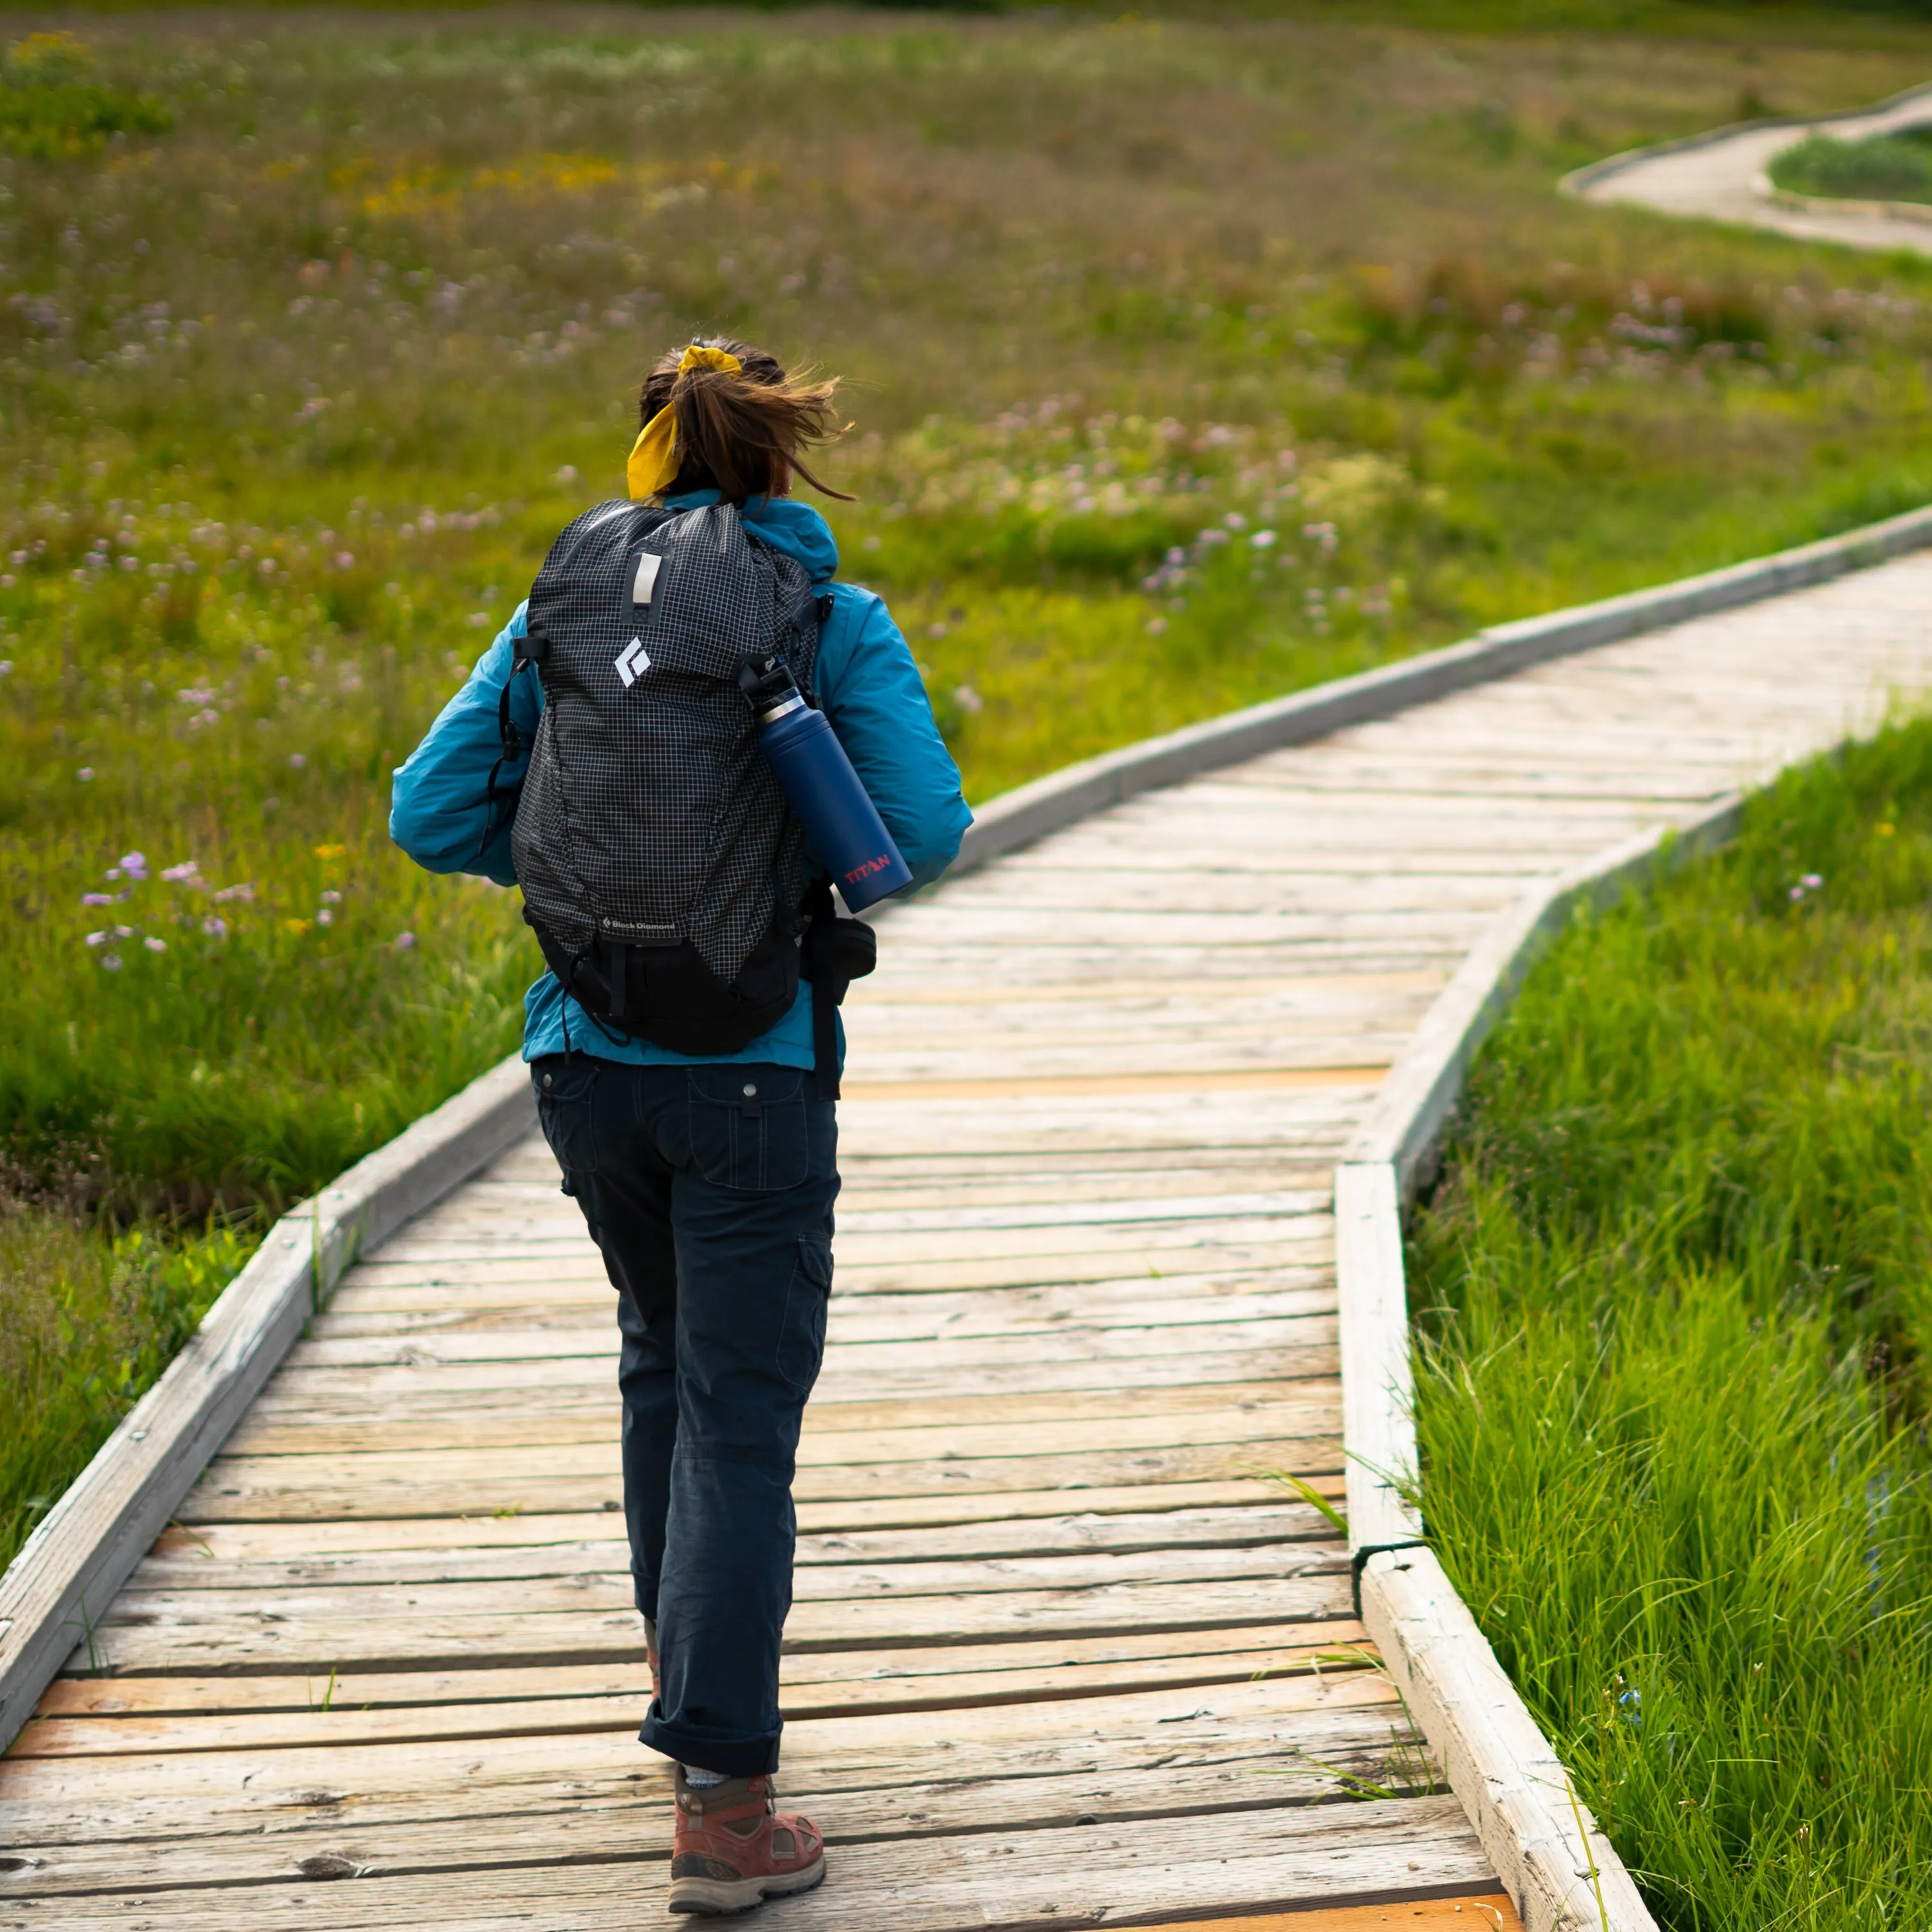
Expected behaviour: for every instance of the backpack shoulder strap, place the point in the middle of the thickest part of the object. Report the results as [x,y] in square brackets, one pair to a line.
[524,652]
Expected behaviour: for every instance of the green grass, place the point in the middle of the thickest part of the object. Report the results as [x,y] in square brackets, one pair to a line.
[314,328]
[88,1320]
[1677,1324]
[1882,167]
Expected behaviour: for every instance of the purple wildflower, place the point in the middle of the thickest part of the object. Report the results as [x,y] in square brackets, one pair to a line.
[215,926]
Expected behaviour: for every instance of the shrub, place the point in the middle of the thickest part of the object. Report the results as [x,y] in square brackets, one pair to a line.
[51,105]
[1882,167]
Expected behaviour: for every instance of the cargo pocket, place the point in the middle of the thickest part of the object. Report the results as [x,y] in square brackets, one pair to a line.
[566,1087]
[749,1128]
[801,1335]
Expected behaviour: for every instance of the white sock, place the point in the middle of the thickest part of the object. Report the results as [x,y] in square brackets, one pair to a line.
[704,1781]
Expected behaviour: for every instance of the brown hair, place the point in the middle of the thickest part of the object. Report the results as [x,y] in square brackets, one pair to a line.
[735,432]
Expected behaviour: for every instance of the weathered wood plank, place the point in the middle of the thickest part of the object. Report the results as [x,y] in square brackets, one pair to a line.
[320,1537]
[937,1677]
[459,1830]
[51,1801]
[209,1646]
[970,1424]
[1088,1873]
[208,1559]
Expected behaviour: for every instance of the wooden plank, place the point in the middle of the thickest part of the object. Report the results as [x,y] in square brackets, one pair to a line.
[1474,1912]
[1378,1385]
[1019,1420]
[207,1793]
[937,1677]
[459,1828]
[190,1637]
[1224,1204]
[319,1538]
[1091,888]
[206,1559]
[1074,1293]
[1083,1360]
[829,1462]
[1168,1253]
[1081,1357]
[866,1257]
[287,1488]
[111,1700]
[1084,1874]
[347,1598]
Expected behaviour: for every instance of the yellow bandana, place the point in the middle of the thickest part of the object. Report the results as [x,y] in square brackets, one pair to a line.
[654,461]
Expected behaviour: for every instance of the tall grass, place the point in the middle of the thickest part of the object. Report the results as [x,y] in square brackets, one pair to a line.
[1677,1324]
[88,1320]
[1192,362]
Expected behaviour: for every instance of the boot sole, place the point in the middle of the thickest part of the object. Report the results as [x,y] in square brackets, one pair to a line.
[718,1897]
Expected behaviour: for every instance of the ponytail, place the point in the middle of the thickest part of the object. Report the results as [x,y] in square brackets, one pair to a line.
[722,416]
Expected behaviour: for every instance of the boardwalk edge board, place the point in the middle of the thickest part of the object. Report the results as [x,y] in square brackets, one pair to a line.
[85,1547]
[1579,181]
[1515,1791]
[1030,811]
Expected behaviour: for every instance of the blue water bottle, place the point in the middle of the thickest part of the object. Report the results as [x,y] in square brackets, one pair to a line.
[841,823]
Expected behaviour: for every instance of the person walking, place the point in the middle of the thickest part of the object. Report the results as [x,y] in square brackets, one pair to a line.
[683,1044]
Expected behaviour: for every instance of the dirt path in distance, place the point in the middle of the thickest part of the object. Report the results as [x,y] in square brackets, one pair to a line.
[1719,177]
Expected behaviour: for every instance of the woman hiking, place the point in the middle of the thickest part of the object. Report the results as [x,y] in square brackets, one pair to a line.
[605,755]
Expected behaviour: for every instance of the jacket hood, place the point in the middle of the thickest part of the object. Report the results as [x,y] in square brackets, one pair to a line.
[783,522]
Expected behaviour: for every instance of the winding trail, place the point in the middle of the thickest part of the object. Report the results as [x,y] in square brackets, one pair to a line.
[1716,177]
[1062,1653]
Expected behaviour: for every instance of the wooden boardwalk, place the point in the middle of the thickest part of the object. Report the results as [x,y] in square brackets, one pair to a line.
[1063,1650]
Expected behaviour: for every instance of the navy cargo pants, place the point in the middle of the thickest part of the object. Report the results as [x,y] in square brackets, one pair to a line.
[708,1190]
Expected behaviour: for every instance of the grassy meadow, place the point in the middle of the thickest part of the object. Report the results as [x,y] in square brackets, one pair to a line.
[1189,360]
[1677,1339]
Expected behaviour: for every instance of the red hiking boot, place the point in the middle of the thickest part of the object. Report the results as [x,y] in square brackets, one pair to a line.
[734,1848]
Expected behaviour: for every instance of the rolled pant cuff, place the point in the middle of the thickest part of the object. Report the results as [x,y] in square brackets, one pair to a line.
[741,1757]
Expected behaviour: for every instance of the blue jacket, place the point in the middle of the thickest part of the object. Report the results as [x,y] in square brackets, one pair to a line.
[872,696]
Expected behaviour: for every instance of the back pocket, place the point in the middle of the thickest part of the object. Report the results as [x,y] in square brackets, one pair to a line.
[749,1128]
[566,1090]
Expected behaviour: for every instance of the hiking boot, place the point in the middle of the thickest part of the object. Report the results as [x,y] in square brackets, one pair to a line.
[734,1849]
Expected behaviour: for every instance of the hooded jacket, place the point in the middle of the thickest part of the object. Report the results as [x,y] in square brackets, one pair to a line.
[872,696]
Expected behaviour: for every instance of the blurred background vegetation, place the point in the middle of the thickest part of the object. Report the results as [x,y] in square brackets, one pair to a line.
[1190,358]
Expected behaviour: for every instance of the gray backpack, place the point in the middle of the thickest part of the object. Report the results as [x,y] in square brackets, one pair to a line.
[660,864]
